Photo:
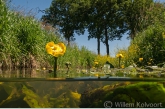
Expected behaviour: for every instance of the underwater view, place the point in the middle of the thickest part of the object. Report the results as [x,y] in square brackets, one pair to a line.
[31,88]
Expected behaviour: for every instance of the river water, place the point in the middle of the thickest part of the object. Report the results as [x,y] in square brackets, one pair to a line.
[38,88]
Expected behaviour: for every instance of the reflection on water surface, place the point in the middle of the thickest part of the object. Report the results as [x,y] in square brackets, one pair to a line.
[76,73]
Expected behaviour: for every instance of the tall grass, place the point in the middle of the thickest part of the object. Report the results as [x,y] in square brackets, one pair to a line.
[23,40]
[78,57]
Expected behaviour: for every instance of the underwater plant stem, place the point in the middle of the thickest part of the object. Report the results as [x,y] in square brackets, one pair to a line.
[55,67]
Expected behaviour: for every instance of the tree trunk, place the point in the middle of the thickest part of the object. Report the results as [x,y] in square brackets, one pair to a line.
[98,45]
[68,41]
[133,34]
[106,41]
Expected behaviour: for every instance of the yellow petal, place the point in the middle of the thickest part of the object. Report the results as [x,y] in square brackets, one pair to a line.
[63,47]
[119,55]
[55,55]
[140,59]
[49,50]
[55,47]
[50,44]
[49,47]
[60,54]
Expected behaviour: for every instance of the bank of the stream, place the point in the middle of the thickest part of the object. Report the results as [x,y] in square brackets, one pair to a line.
[23,40]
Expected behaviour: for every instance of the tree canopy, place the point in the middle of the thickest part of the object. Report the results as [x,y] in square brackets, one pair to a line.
[105,20]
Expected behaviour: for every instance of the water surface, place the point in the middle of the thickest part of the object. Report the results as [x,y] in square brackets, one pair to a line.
[38,88]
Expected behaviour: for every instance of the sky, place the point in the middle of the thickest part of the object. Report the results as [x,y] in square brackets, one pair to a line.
[82,40]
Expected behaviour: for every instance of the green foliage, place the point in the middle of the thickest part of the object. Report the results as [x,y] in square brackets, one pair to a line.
[25,37]
[78,57]
[61,15]
[150,45]
[136,15]
[102,19]
[23,40]
[139,14]
[25,43]
[103,59]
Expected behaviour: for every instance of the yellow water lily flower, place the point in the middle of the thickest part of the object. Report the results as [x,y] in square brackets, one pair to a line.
[96,62]
[119,55]
[141,76]
[140,59]
[149,63]
[122,66]
[55,49]
[163,35]
[97,75]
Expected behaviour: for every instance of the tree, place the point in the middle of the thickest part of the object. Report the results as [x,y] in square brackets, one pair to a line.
[139,14]
[61,15]
[105,21]
[95,33]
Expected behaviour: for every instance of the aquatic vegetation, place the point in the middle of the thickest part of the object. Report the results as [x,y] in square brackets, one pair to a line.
[4,93]
[20,95]
[24,46]
[163,35]
[65,100]
[140,59]
[76,95]
[96,62]
[103,59]
[81,94]
[125,92]
[122,66]
[55,50]
[119,56]
[31,98]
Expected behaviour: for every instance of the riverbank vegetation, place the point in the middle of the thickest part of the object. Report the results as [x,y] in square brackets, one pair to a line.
[23,38]
[142,20]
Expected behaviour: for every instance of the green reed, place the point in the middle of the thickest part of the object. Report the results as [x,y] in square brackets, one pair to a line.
[23,40]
